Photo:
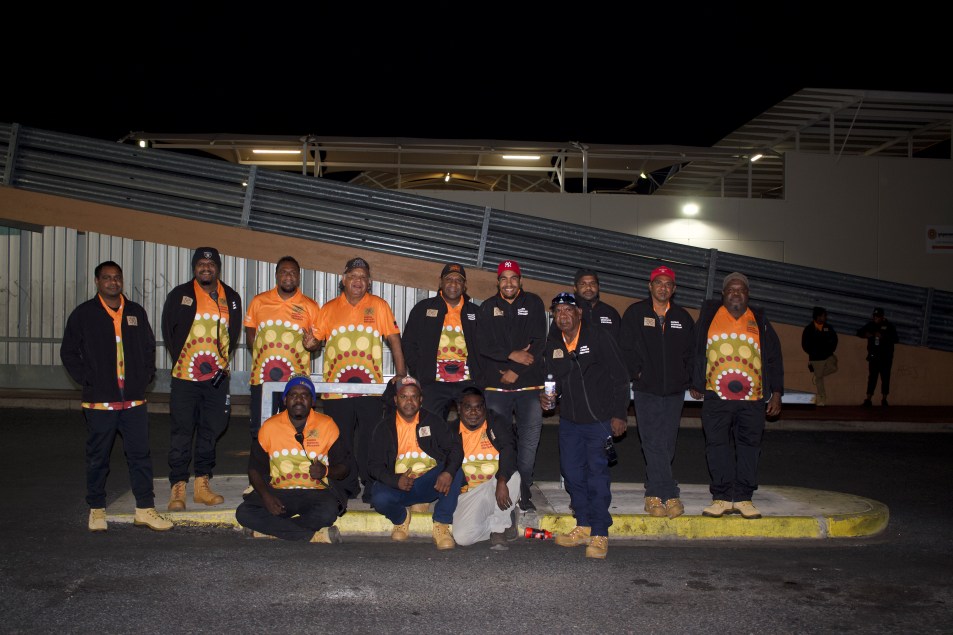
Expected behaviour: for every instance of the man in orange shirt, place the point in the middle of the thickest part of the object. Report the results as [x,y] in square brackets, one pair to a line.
[279,332]
[352,328]
[739,371]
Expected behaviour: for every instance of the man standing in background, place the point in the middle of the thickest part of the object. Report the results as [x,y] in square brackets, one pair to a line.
[819,341]
[881,336]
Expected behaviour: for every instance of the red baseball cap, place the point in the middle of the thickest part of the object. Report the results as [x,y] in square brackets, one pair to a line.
[508,265]
[662,271]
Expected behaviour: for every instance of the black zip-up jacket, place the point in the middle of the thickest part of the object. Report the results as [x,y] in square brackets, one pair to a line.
[772,373]
[819,345]
[602,315]
[499,430]
[177,318]
[659,359]
[506,327]
[421,338]
[88,352]
[592,381]
[879,347]
[434,436]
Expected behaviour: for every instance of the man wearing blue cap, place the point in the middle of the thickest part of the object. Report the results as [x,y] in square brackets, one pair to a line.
[593,385]
[296,466]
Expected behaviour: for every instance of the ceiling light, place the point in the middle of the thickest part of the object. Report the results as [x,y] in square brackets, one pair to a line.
[446,179]
[521,157]
[755,157]
[143,143]
[642,175]
[690,209]
[257,151]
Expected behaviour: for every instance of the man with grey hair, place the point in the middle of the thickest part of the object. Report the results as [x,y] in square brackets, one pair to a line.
[739,371]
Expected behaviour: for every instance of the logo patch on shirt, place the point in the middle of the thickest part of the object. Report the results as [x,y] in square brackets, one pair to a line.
[187,301]
[131,320]
[648,321]
[431,312]
[424,431]
[497,312]
[558,353]
[522,311]
[605,320]
[471,317]
[583,350]
[675,324]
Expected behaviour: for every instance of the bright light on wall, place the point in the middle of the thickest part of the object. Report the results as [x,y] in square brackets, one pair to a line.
[690,209]
[257,151]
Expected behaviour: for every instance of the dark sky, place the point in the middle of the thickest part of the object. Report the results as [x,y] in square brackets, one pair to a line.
[637,75]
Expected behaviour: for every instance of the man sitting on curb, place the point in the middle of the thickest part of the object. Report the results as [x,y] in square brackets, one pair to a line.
[489,451]
[296,465]
[415,457]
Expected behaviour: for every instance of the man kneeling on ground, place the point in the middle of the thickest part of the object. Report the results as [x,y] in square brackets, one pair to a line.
[489,450]
[296,465]
[415,457]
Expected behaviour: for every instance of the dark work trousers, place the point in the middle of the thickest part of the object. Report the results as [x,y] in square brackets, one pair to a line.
[585,466]
[393,502]
[356,418]
[306,511]
[254,410]
[879,367]
[200,412]
[440,396]
[132,425]
[733,432]
[524,404]
[658,419]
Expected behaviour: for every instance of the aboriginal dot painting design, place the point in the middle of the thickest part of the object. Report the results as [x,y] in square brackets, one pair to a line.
[480,459]
[414,463]
[452,355]
[734,367]
[354,355]
[279,352]
[199,359]
[289,469]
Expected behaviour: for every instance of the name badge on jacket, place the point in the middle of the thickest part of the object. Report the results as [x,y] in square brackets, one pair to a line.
[424,431]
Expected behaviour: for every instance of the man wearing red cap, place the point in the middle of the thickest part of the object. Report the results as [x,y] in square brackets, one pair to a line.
[657,345]
[440,342]
[512,336]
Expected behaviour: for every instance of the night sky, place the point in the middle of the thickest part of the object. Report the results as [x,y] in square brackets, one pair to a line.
[616,75]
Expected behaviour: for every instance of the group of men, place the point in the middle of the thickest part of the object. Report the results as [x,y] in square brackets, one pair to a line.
[400,449]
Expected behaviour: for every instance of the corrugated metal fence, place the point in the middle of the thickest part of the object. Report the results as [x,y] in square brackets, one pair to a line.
[420,227]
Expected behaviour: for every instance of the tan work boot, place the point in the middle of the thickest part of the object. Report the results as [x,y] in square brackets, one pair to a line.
[149,517]
[420,508]
[401,532]
[442,536]
[578,536]
[674,508]
[177,498]
[327,535]
[97,519]
[597,547]
[654,507]
[718,508]
[747,510]
[204,494]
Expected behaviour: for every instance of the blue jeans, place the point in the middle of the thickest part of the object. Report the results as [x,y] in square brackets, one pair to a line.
[733,431]
[393,502]
[529,424]
[583,461]
[658,420]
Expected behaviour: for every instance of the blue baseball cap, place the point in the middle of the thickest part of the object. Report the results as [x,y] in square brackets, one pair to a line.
[299,380]
[563,298]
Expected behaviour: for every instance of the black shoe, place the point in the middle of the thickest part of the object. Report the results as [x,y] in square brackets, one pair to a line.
[511,532]
[526,505]
[867,403]
[883,402]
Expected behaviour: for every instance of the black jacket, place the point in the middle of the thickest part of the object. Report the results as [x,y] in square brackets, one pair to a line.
[500,432]
[177,318]
[434,435]
[881,344]
[506,327]
[819,345]
[659,359]
[592,382]
[88,352]
[602,315]
[772,372]
[421,337]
